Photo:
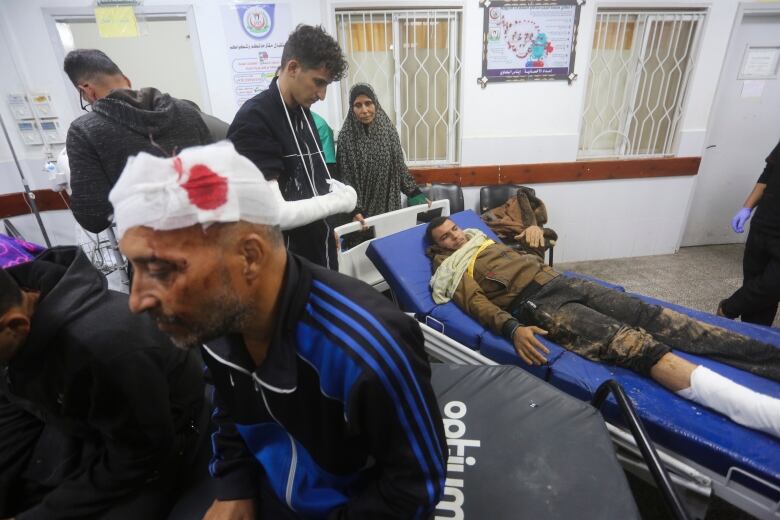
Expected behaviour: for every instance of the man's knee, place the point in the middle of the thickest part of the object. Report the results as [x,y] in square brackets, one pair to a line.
[634,349]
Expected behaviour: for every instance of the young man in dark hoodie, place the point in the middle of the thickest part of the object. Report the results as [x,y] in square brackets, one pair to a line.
[99,412]
[275,130]
[122,122]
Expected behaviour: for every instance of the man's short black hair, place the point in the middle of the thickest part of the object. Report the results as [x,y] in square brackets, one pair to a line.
[433,224]
[82,65]
[10,294]
[313,48]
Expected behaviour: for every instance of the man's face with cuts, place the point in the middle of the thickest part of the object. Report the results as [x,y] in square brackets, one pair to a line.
[186,280]
[449,236]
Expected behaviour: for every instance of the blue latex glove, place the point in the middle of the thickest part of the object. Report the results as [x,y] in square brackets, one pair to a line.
[738,222]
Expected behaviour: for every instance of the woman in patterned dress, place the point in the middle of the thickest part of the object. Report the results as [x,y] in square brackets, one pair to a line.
[370,158]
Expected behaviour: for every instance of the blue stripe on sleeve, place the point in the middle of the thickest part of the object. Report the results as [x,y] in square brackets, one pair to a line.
[371,362]
[337,371]
[430,433]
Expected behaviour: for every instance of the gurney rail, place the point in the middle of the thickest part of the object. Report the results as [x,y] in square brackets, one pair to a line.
[637,429]
[730,483]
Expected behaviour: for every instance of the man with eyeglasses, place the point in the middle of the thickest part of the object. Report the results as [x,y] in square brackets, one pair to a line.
[120,123]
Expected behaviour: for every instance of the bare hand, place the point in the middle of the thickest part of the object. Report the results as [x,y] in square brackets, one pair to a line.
[528,347]
[533,235]
[429,201]
[359,218]
[231,510]
[336,238]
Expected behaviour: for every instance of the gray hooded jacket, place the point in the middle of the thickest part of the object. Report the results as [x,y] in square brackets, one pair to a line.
[123,124]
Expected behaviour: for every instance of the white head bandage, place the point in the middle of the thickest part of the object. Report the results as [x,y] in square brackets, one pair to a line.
[201,185]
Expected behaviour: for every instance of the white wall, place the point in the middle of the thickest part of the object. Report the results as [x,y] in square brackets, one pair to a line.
[504,123]
[539,122]
[58,224]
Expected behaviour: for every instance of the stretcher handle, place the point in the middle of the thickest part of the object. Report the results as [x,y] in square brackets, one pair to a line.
[646,447]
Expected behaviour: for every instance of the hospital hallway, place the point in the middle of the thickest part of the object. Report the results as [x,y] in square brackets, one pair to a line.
[696,277]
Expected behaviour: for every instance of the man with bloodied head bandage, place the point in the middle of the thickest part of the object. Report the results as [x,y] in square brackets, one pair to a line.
[323,401]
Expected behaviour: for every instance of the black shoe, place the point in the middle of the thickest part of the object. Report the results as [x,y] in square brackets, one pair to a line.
[721,312]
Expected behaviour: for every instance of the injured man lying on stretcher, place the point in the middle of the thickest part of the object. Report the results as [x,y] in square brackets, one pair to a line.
[516,295]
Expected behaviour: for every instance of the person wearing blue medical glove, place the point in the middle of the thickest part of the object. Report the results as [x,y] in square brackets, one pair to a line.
[743,215]
[757,300]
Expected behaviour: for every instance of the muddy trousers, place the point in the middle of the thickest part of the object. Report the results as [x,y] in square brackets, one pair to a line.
[756,301]
[609,326]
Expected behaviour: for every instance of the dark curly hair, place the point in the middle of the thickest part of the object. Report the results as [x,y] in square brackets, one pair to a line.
[433,224]
[313,48]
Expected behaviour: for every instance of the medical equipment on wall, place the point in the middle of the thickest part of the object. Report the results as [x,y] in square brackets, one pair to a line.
[37,121]
[28,130]
[52,131]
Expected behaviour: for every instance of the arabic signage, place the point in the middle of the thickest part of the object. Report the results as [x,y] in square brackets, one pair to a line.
[529,40]
[255,35]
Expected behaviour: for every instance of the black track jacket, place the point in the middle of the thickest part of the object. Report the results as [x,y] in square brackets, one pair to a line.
[340,415]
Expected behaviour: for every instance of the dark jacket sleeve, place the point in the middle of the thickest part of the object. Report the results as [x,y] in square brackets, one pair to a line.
[233,467]
[19,432]
[769,170]
[88,181]
[409,449]
[133,419]
[252,138]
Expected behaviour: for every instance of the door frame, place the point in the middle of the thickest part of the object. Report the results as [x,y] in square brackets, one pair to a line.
[743,9]
[54,14]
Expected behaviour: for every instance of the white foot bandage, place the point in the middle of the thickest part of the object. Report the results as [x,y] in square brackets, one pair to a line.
[741,404]
[297,213]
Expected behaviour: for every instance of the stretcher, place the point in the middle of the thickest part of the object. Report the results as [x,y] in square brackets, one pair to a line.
[705,452]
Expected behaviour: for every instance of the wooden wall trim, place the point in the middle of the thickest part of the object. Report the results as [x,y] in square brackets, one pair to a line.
[16,204]
[559,172]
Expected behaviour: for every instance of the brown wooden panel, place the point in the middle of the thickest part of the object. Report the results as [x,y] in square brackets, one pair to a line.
[15,204]
[461,175]
[560,172]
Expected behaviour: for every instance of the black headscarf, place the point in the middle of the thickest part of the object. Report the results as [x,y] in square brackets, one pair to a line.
[371,160]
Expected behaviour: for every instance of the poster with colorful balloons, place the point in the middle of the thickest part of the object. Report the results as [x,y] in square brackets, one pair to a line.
[255,35]
[529,40]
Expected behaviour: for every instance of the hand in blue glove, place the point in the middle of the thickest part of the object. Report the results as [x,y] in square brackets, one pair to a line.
[738,222]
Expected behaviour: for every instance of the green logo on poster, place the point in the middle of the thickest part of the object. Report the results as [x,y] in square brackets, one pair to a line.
[257,21]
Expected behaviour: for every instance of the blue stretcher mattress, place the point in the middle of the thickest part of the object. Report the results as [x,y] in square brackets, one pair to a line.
[697,433]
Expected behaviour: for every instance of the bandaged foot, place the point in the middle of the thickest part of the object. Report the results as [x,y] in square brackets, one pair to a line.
[741,404]
[297,213]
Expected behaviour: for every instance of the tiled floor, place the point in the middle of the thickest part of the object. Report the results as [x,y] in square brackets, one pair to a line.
[696,277]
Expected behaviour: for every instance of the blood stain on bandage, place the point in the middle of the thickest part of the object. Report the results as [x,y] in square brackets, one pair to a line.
[205,188]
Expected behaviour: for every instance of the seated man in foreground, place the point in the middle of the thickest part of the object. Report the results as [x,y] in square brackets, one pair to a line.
[502,288]
[324,407]
[98,410]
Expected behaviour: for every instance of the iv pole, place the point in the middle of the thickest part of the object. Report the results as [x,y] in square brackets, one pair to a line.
[28,193]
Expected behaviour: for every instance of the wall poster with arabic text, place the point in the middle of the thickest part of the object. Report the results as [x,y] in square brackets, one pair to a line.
[255,35]
[529,40]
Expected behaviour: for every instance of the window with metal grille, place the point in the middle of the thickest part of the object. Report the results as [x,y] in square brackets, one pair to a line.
[412,60]
[637,81]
